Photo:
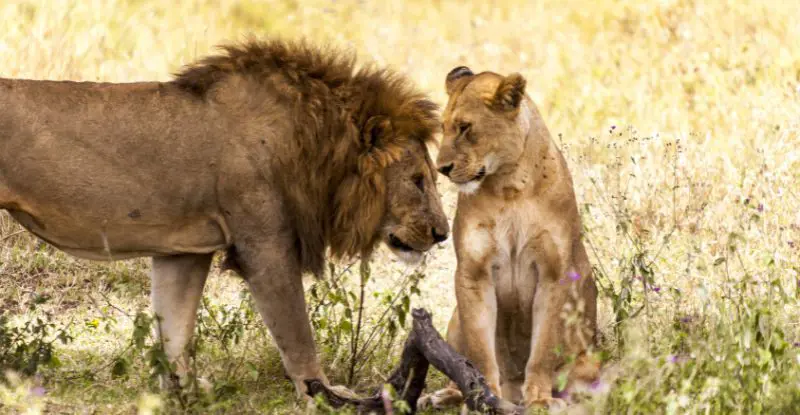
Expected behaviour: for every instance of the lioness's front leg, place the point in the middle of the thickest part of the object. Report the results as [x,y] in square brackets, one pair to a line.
[553,339]
[546,337]
[477,316]
[176,290]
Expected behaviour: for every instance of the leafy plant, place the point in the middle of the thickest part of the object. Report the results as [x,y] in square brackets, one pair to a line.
[348,326]
[27,346]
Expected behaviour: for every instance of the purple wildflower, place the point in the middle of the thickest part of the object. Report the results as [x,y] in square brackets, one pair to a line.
[37,391]
[387,401]
[672,358]
[796,344]
[686,319]
[561,394]
[573,276]
[598,387]
[760,207]
[657,289]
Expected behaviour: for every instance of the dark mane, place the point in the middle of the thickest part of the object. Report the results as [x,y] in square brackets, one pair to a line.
[296,60]
[332,102]
[365,92]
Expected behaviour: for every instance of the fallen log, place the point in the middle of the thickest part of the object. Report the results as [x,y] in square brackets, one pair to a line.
[425,346]
[408,380]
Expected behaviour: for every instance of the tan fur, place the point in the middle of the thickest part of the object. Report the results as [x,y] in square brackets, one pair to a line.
[523,315]
[271,151]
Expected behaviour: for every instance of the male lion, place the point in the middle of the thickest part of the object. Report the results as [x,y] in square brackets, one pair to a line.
[526,300]
[272,151]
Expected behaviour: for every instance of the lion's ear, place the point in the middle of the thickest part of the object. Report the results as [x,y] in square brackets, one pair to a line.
[454,75]
[376,130]
[509,93]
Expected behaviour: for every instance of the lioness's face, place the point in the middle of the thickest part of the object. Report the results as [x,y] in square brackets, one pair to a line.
[482,129]
[414,219]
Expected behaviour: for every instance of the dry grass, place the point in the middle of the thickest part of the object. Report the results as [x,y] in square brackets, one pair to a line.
[679,119]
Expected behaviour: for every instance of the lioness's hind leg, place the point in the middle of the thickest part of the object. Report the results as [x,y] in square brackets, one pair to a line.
[177,287]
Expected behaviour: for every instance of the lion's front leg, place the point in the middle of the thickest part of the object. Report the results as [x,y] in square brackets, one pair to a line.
[176,290]
[274,277]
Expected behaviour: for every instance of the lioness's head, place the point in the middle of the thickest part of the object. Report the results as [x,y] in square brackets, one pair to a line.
[484,129]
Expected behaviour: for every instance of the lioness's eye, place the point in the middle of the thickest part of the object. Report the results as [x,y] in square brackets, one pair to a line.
[419,182]
[463,128]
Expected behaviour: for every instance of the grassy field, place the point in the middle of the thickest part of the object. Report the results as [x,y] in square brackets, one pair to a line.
[680,120]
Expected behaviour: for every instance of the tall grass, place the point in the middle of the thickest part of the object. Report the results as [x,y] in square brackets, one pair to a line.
[679,119]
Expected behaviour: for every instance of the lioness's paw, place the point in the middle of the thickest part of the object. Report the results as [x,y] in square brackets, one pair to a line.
[553,404]
[542,398]
[441,399]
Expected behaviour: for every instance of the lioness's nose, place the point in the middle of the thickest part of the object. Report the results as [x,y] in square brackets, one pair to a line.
[446,169]
[438,237]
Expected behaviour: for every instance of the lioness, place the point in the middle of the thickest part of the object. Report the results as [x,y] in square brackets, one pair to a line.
[271,151]
[526,300]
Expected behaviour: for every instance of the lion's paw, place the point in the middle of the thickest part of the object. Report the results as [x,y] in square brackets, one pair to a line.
[344,392]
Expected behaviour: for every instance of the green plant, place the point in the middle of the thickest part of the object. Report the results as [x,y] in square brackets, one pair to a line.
[30,344]
[345,318]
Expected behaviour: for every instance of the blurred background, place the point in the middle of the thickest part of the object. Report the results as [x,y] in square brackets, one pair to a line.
[679,120]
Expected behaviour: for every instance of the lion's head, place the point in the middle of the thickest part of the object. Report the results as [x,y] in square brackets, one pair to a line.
[357,170]
[414,219]
[393,196]
[484,129]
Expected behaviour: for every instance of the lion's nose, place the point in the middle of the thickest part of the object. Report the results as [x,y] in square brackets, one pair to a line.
[438,237]
[446,169]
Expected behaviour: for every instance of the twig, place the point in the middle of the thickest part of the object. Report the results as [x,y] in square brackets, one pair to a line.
[108,301]
[12,234]
[363,278]
[425,346]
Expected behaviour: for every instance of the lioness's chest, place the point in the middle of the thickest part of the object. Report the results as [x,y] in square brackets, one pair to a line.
[514,244]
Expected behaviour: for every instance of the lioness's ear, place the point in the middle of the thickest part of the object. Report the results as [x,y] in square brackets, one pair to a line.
[375,130]
[454,75]
[509,93]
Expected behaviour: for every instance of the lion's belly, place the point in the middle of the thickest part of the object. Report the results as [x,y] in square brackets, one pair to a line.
[117,238]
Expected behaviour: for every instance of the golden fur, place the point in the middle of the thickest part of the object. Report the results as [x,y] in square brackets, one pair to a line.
[272,151]
[526,300]
[339,103]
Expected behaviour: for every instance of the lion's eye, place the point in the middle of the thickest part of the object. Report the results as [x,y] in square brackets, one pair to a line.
[463,128]
[419,182]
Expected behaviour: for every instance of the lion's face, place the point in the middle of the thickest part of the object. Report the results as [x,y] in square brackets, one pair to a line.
[414,220]
[482,129]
